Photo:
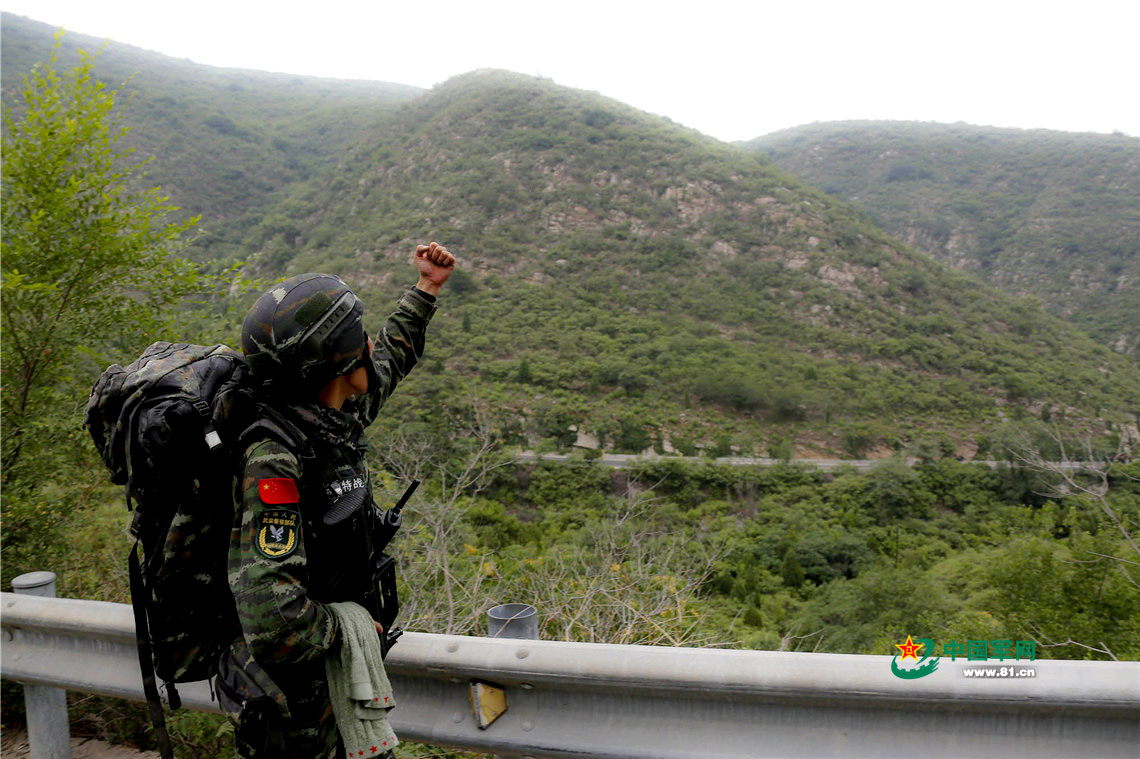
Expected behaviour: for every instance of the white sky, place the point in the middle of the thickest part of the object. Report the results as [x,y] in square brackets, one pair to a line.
[734,70]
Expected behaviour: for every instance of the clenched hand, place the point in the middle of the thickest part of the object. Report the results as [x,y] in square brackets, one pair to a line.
[435,264]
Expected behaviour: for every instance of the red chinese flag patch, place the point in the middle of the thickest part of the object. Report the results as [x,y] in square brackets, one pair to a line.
[278,490]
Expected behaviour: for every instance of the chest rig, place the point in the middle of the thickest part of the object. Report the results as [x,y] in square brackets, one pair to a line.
[339,519]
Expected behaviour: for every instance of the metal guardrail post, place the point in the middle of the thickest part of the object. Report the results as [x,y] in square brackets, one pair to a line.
[512,621]
[49,734]
[519,621]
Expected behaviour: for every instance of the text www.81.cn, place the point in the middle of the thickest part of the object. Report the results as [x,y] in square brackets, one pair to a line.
[999,672]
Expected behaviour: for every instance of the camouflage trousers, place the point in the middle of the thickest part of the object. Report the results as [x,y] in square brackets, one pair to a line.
[283,712]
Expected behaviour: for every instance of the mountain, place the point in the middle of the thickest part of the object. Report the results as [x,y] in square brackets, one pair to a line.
[1034,212]
[224,141]
[637,280]
[623,279]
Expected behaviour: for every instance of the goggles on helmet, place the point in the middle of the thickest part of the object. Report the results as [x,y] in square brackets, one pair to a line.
[311,343]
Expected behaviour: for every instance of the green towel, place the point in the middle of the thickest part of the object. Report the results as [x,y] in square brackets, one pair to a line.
[358,686]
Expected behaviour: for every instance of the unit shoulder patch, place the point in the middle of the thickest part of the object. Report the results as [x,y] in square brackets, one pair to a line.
[277,533]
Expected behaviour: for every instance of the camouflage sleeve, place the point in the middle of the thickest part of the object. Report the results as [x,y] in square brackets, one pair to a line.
[398,347]
[268,572]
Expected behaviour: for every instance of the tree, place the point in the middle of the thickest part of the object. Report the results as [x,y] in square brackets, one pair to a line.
[791,570]
[782,449]
[614,576]
[86,256]
[1104,494]
[456,462]
[1077,471]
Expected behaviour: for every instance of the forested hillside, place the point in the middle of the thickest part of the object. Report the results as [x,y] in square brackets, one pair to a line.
[644,283]
[622,277]
[225,142]
[1034,212]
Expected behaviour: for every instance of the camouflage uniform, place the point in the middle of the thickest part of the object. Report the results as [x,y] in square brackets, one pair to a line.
[285,564]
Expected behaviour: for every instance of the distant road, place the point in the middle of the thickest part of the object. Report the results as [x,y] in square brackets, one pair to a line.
[622,460]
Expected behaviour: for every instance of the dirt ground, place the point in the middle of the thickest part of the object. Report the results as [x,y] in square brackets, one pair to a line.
[14,745]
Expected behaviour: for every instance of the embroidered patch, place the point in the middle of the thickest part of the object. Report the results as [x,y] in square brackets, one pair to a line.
[278,490]
[342,486]
[277,533]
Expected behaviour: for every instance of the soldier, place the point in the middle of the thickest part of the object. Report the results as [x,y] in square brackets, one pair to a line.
[301,535]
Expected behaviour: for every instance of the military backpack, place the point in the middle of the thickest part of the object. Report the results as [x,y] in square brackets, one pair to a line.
[168,426]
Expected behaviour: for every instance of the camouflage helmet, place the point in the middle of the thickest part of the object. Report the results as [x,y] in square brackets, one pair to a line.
[304,332]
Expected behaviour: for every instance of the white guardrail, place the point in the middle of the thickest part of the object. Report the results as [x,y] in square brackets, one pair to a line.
[594,700]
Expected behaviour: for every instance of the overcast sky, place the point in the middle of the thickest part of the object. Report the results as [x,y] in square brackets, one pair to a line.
[734,70]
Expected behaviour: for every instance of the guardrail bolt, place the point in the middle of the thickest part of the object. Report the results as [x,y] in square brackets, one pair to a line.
[512,621]
[49,735]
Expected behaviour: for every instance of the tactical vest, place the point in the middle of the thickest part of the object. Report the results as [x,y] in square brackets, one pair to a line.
[338,515]
[340,555]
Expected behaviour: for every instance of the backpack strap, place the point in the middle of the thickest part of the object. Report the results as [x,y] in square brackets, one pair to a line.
[146,662]
[213,439]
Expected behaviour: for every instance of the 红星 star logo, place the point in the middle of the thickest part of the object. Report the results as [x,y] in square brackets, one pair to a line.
[909,650]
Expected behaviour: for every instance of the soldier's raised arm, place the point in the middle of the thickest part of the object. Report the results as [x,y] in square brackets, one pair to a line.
[400,343]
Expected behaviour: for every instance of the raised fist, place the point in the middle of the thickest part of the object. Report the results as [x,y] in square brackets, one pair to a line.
[435,264]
